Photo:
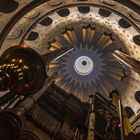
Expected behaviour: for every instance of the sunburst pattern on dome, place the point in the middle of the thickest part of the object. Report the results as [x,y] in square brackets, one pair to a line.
[90,67]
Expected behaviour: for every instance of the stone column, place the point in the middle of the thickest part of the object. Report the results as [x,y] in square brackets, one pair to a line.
[125,124]
[91,125]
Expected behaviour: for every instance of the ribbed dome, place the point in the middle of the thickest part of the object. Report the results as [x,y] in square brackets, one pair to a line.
[90,67]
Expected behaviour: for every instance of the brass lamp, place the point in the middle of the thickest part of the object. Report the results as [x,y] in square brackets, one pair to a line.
[21,70]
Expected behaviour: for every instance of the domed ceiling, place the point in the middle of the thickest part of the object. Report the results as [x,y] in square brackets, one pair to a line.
[95,29]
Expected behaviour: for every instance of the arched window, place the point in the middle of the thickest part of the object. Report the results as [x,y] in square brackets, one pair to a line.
[129,112]
[137,96]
